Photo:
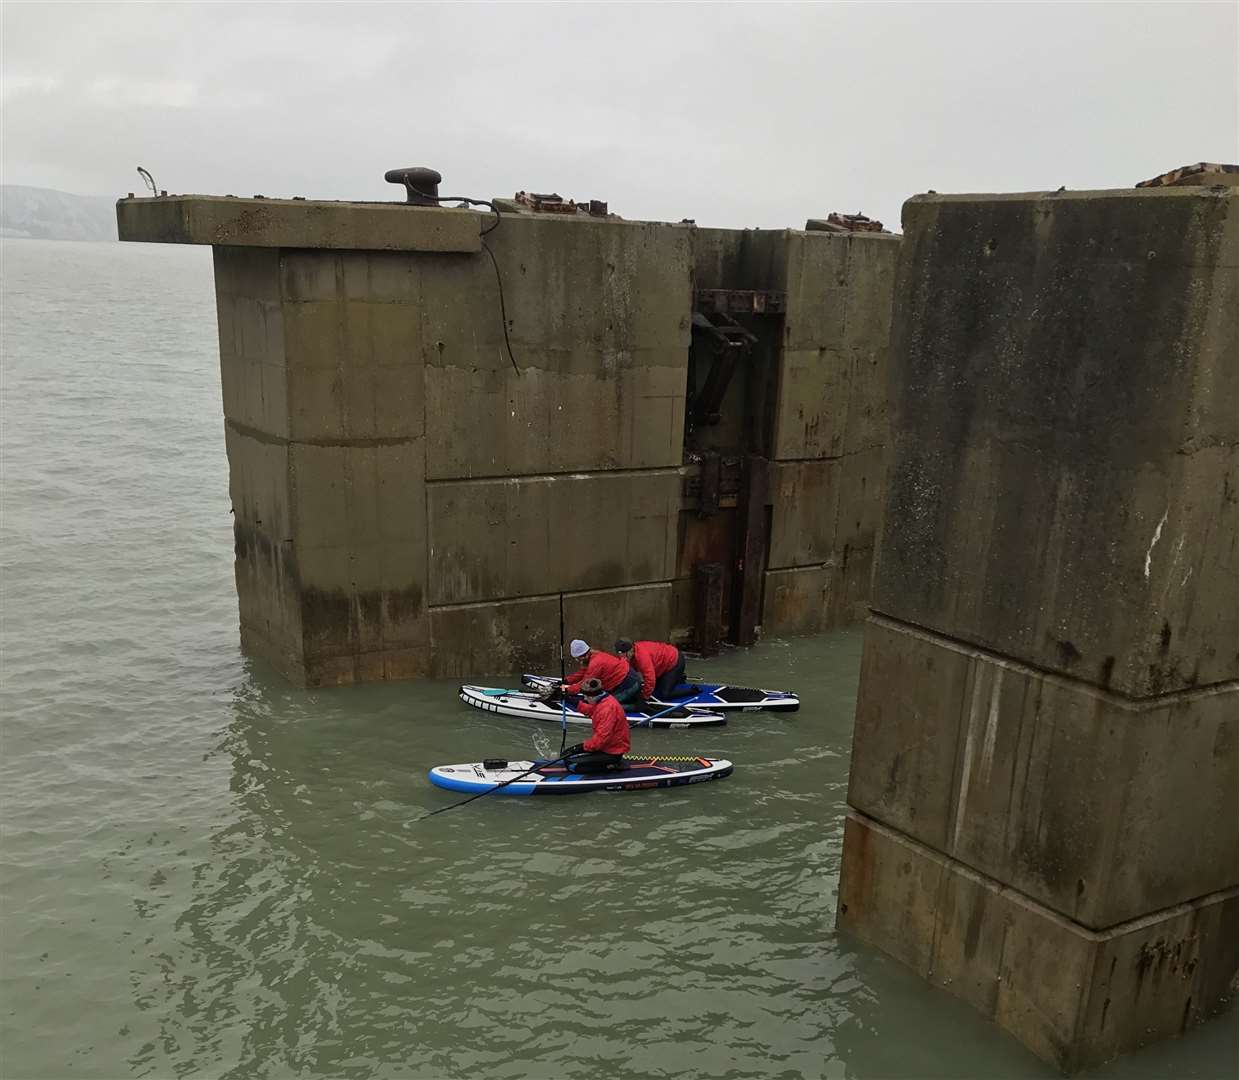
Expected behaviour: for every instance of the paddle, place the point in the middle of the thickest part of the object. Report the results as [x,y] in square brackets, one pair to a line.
[649,720]
[563,700]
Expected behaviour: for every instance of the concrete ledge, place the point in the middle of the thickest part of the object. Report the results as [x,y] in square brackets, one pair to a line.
[1075,997]
[297,223]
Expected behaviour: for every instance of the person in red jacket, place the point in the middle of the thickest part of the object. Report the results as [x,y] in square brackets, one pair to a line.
[660,666]
[605,749]
[616,675]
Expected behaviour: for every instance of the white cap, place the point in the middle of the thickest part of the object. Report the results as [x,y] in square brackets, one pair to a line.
[578,648]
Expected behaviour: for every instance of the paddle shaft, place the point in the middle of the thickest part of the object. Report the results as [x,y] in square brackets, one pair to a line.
[563,703]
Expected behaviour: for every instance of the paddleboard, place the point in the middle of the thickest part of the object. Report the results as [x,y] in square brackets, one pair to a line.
[638,774]
[705,697]
[531,706]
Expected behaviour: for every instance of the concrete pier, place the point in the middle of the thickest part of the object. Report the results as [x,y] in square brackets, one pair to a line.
[1045,779]
[412,500]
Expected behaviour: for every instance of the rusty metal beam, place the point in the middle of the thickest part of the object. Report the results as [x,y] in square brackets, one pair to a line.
[751,548]
[742,301]
[708,589]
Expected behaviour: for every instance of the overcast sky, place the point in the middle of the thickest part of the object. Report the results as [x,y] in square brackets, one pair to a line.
[734,115]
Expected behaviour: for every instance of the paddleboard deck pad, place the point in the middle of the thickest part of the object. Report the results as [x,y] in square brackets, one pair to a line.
[637,774]
[705,697]
[531,706]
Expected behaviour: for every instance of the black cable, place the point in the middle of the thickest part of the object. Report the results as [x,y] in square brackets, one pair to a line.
[503,311]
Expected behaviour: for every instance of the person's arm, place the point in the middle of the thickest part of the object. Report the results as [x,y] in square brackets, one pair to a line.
[641,661]
[572,683]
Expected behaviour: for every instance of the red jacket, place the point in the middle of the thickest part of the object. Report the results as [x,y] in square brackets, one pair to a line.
[607,669]
[610,726]
[651,659]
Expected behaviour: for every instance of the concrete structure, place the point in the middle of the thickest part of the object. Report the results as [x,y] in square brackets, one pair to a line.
[410,499]
[1044,796]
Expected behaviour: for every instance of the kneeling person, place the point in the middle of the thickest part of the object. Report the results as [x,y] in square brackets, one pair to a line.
[660,666]
[611,740]
[615,673]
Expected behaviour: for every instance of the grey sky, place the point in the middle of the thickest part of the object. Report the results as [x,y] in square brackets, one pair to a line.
[734,115]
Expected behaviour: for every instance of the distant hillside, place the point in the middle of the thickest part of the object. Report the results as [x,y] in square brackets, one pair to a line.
[41,214]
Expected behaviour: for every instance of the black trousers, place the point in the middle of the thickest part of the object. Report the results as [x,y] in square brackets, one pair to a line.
[629,691]
[665,684]
[592,761]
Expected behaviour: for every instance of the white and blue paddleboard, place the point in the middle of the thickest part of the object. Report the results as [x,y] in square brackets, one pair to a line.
[531,706]
[705,697]
[637,774]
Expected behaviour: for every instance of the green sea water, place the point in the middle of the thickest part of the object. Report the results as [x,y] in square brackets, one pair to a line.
[209,873]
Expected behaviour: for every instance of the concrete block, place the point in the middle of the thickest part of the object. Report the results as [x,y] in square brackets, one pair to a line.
[814,394]
[871,267]
[868,413]
[740,259]
[806,509]
[346,670]
[495,539]
[343,617]
[266,577]
[798,601]
[599,327]
[817,290]
[637,612]
[1073,996]
[1098,807]
[247,273]
[625,413]
[297,223]
[507,637]
[861,482]
[358,495]
[1066,457]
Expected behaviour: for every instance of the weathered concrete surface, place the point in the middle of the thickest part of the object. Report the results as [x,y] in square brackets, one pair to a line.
[599,316]
[508,636]
[833,394]
[830,415]
[352,378]
[1075,997]
[1071,361]
[397,481]
[1066,792]
[495,539]
[297,223]
[1046,751]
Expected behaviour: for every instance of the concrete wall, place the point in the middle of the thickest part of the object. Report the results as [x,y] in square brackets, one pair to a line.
[830,415]
[408,502]
[1045,774]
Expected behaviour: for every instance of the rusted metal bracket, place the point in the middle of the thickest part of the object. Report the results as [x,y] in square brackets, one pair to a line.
[751,547]
[708,589]
[730,341]
[741,301]
[711,485]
